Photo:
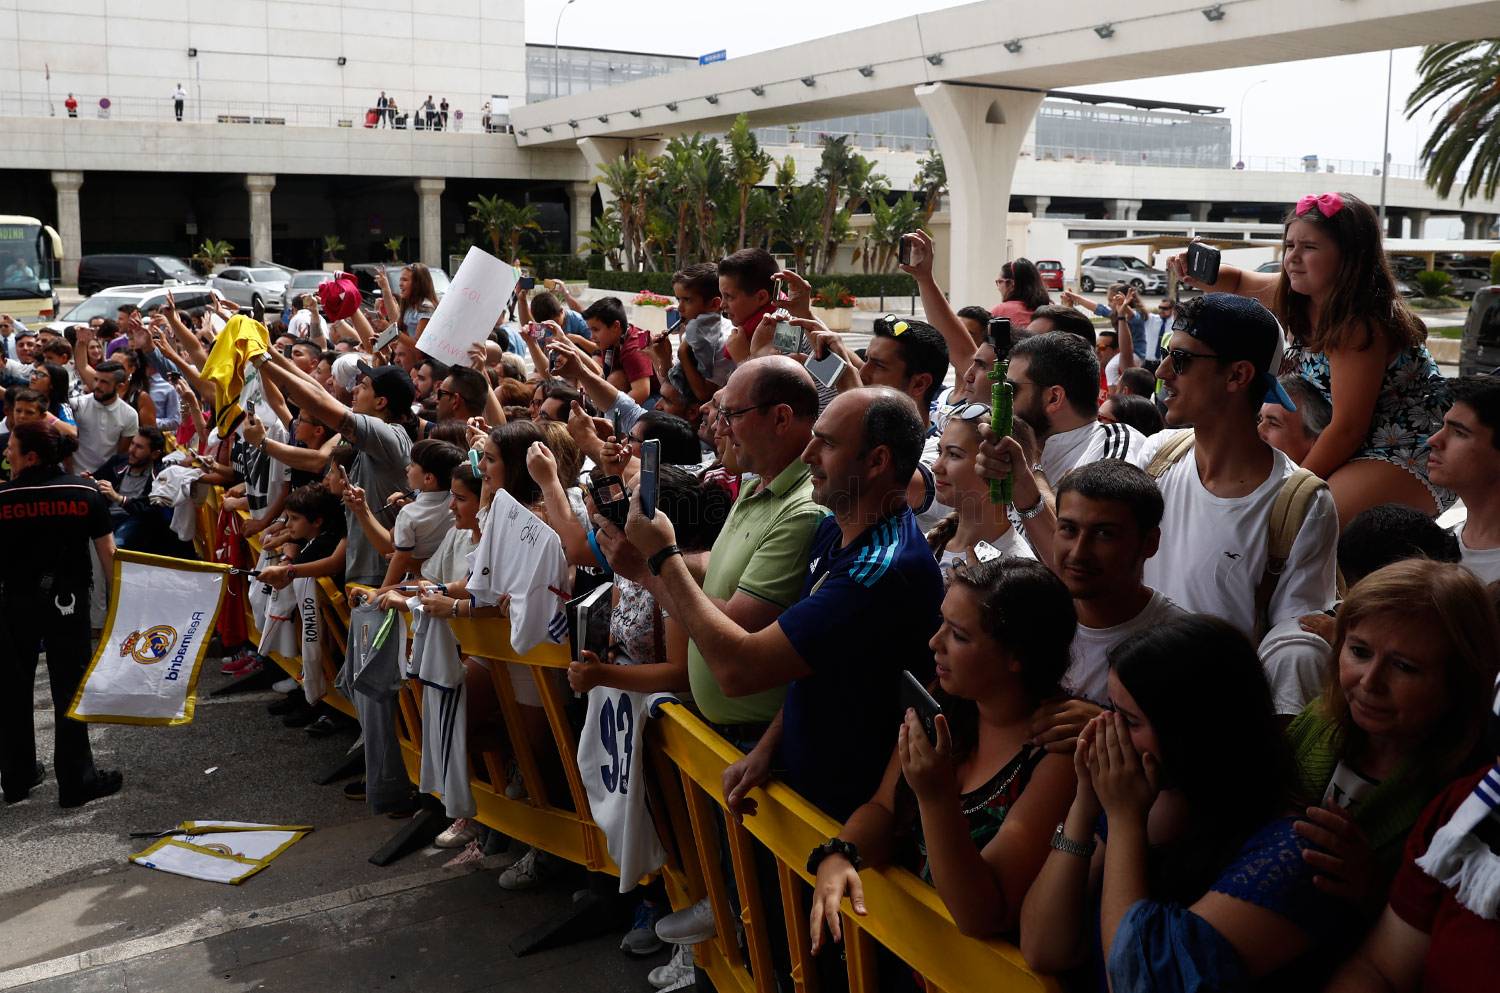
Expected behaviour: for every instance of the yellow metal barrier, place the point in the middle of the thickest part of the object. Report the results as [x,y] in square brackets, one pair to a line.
[685,766]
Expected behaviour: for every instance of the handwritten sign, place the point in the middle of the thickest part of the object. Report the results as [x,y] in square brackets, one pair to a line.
[468,311]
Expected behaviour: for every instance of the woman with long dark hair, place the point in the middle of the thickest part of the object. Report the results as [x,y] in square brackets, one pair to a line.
[971,811]
[136,390]
[1354,338]
[1021,292]
[1194,878]
[416,302]
[51,380]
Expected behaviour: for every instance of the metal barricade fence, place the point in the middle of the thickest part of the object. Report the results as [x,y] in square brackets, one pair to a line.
[685,765]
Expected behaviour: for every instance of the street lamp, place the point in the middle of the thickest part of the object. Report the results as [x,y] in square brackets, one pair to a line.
[1241,156]
[557,33]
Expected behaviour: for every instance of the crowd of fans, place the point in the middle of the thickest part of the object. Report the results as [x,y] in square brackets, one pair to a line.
[1207,721]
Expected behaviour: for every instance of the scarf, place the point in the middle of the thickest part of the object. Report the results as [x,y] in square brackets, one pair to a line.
[1461,860]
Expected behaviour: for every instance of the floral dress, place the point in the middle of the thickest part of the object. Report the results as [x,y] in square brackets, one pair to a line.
[1409,410]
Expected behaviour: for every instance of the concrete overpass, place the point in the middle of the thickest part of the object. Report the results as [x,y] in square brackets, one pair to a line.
[980,71]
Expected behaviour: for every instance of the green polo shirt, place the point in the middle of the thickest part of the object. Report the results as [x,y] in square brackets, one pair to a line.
[763,551]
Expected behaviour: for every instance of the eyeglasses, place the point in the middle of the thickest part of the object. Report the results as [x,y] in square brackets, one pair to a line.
[1182,359]
[441,393]
[728,416]
[970,412]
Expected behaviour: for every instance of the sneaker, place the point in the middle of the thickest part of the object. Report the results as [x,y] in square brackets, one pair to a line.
[678,967]
[458,834]
[687,927]
[355,790]
[472,852]
[106,783]
[323,726]
[300,718]
[241,665]
[285,685]
[641,939]
[525,873]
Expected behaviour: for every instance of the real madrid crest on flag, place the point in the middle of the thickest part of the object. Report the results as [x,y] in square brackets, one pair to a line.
[161,615]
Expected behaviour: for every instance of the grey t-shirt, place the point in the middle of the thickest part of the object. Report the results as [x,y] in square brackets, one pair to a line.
[379,469]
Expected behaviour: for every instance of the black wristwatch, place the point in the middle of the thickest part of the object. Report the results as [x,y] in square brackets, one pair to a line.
[655,562]
[827,848]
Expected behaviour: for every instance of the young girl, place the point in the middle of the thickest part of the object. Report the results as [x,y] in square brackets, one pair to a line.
[978,805]
[975,517]
[418,299]
[1353,338]
[1196,878]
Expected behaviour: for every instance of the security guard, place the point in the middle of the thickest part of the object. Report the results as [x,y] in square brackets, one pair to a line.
[47,520]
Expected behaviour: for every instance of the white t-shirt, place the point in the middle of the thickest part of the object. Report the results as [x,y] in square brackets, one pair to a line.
[300,324]
[450,562]
[1482,562]
[1068,450]
[1296,664]
[422,524]
[1213,549]
[520,556]
[1112,370]
[101,428]
[1088,676]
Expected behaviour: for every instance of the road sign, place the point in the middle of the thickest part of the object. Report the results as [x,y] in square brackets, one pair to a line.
[718,56]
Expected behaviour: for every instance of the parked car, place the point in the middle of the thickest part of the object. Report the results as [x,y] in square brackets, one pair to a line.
[250,287]
[95,272]
[1105,270]
[302,281]
[1272,266]
[1481,345]
[107,302]
[364,275]
[1052,273]
[1468,281]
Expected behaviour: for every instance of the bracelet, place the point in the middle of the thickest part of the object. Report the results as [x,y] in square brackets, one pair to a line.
[1063,843]
[655,562]
[1031,511]
[827,848]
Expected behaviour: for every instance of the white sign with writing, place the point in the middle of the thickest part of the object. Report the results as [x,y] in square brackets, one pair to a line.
[468,311]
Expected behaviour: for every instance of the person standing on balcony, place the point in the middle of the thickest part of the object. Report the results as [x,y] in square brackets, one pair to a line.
[72,105]
[443,114]
[179,96]
[382,108]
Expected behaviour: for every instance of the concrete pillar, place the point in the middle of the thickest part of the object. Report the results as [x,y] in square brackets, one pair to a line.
[1418,221]
[980,133]
[1198,210]
[598,152]
[69,222]
[582,213]
[1477,226]
[430,221]
[1036,206]
[1122,210]
[260,187]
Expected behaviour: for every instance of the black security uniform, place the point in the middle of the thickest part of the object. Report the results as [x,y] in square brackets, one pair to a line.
[48,519]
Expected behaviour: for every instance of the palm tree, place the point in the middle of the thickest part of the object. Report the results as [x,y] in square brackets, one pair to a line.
[1463,75]
[605,238]
[800,223]
[889,221]
[677,166]
[932,182]
[834,171]
[501,219]
[393,245]
[748,165]
[629,177]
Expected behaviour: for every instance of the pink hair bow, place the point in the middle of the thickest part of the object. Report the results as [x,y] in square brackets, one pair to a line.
[1328,204]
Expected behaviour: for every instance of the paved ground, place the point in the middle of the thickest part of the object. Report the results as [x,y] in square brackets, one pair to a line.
[76,916]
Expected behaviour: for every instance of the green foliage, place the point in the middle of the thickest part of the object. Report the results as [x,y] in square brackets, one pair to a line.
[557,266]
[393,245]
[1495,268]
[1434,283]
[333,247]
[894,284]
[214,253]
[1460,78]
[501,220]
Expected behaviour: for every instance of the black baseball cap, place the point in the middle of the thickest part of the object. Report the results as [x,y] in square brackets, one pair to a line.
[391,382]
[1238,329]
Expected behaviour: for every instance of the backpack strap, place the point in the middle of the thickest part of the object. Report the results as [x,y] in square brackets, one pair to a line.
[1288,512]
[1170,453]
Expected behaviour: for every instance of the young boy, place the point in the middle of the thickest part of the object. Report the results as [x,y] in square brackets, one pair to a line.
[311,539]
[702,365]
[624,350]
[748,293]
[422,524]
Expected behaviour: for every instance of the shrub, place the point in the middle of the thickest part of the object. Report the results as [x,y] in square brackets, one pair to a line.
[648,299]
[1495,269]
[833,295]
[1433,282]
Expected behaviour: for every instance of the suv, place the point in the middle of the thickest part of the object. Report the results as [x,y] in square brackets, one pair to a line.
[107,302]
[1481,344]
[1051,271]
[247,285]
[95,272]
[1106,270]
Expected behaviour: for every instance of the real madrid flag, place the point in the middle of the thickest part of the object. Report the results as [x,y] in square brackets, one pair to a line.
[161,615]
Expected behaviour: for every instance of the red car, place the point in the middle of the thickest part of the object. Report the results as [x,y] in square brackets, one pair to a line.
[1052,273]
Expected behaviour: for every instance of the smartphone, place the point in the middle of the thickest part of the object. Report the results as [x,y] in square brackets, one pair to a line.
[386,337]
[611,499]
[788,337]
[526,283]
[674,318]
[615,422]
[915,696]
[827,369]
[650,466]
[1203,263]
[999,336]
[985,552]
[903,254]
[258,310]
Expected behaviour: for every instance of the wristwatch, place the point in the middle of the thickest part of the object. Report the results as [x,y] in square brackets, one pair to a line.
[1063,843]
[827,848]
[655,562]
[1031,511]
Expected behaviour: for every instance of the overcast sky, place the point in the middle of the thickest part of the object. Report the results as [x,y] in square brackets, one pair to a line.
[1333,108]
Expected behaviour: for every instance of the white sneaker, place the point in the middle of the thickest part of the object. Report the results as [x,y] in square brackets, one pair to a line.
[458,834]
[525,873]
[688,927]
[472,853]
[678,967]
[285,685]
